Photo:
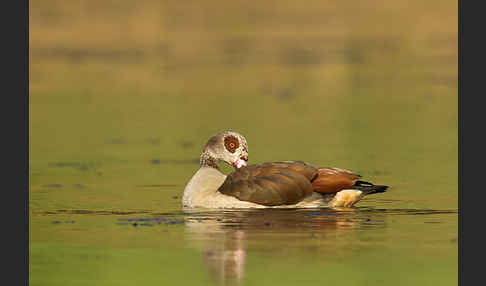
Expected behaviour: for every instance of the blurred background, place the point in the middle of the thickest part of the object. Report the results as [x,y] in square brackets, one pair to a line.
[124,95]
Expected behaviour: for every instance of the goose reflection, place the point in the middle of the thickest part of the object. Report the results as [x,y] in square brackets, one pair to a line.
[224,238]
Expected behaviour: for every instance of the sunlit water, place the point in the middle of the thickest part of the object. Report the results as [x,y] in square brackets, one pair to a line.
[346,246]
[123,98]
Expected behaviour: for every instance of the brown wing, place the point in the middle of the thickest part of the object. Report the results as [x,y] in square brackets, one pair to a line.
[270,184]
[332,180]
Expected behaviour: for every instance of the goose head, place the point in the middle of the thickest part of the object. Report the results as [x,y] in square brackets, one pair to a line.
[227,146]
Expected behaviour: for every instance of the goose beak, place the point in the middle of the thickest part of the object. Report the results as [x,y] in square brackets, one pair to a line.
[241,162]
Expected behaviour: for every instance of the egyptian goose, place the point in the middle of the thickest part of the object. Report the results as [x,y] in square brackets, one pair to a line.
[290,184]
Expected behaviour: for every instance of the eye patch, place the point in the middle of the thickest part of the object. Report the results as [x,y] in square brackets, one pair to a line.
[231,143]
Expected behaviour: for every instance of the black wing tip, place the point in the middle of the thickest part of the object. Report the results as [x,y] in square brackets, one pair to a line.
[369,188]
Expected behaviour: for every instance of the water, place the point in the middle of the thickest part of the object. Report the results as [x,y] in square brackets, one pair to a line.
[352,247]
[123,98]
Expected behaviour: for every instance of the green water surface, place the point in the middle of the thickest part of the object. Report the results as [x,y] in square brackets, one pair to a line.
[123,98]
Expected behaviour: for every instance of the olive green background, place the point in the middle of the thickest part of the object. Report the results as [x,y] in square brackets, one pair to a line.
[124,94]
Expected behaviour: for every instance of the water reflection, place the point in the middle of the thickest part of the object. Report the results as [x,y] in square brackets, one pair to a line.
[225,259]
[224,238]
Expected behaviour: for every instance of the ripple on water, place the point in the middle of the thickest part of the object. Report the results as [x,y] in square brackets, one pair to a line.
[268,219]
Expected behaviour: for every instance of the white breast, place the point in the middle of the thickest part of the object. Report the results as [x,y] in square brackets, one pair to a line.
[202,191]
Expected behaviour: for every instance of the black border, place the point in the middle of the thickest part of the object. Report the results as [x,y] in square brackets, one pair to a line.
[24,33]
[471,145]
[24,73]
[15,115]
[15,159]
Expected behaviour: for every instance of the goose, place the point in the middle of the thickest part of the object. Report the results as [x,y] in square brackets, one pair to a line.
[287,184]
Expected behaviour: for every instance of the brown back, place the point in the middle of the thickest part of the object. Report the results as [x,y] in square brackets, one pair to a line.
[332,180]
[278,183]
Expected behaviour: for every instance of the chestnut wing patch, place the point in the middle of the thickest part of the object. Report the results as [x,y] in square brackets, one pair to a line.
[333,180]
[271,184]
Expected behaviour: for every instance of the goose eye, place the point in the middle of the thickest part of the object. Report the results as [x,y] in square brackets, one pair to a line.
[231,143]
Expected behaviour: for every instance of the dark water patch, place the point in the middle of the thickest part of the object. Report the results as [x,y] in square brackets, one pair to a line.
[277,220]
[144,219]
[356,49]
[353,54]
[314,213]
[59,222]
[331,212]
[52,185]
[135,224]
[91,212]
[266,89]
[150,221]
[186,144]
[235,50]
[300,56]
[287,94]
[81,186]
[82,166]
[303,220]
[201,218]
[169,214]
[153,141]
